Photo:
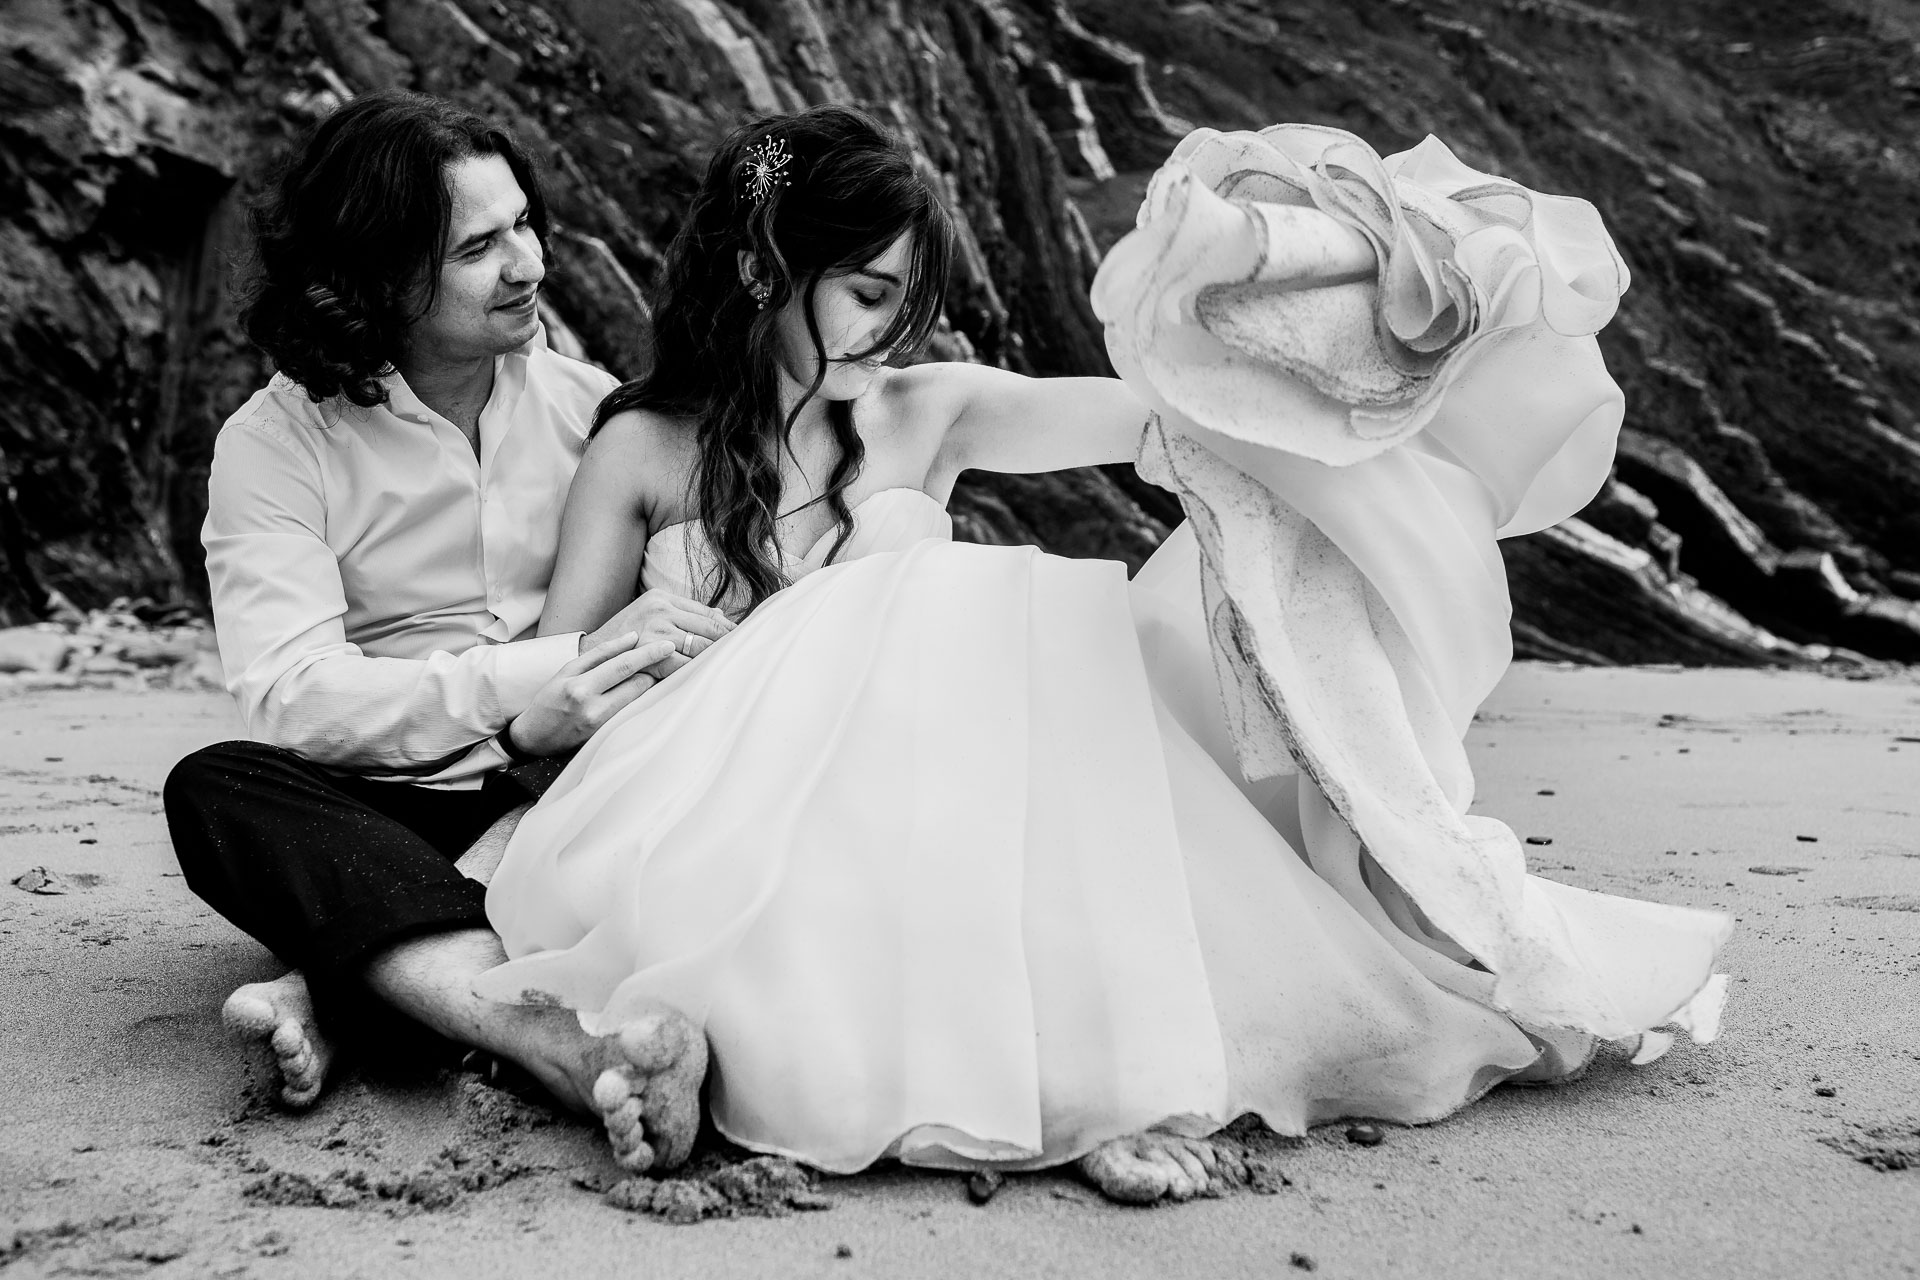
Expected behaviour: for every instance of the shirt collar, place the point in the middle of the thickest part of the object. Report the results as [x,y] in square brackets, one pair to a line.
[402,403]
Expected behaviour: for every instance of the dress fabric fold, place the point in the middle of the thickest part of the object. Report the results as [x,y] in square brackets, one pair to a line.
[1347,519]
[980,856]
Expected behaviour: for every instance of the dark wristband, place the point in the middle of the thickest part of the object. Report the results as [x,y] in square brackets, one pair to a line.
[510,749]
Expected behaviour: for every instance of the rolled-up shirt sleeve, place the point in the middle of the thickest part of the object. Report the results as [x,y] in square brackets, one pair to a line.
[279,610]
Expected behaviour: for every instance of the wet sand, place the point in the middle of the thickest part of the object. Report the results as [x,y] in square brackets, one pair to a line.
[135,1140]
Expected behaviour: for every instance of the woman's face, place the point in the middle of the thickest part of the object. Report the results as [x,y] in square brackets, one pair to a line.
[852,310]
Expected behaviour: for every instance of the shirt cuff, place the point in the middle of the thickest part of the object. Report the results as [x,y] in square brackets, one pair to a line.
[485,757]
[522,666]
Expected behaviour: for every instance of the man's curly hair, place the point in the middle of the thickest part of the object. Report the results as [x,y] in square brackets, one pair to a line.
[350,232]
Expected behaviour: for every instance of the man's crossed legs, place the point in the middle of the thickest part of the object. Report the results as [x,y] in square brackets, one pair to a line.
[355,883]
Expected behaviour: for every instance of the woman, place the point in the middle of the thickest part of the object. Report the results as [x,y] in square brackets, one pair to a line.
[950,849]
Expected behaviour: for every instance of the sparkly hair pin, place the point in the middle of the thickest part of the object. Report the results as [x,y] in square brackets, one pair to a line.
[766,168]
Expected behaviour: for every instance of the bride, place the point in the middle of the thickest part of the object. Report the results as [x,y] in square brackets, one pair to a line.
[976,856]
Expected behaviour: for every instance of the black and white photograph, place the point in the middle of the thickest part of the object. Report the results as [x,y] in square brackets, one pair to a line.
[960,638]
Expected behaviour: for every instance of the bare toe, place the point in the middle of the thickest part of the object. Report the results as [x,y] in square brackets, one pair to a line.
[620,1112]
[301,1073]
[1189,1176]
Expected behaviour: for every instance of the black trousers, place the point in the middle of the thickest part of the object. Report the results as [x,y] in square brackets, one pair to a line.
[328,870]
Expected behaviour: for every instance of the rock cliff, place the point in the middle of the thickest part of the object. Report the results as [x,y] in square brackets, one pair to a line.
[1756,163]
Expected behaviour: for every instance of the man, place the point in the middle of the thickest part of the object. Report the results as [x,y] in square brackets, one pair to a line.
[381,528]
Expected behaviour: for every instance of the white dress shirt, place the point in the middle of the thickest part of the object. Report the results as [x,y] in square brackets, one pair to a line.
[374,584]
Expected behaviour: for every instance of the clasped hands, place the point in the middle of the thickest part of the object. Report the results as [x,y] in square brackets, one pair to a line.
[632,651]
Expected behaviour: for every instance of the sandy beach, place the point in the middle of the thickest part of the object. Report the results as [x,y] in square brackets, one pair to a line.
[138,1140]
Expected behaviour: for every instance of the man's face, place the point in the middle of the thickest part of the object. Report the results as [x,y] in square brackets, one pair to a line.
[490,276]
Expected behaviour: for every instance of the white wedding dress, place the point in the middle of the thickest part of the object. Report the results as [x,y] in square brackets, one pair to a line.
[953,851]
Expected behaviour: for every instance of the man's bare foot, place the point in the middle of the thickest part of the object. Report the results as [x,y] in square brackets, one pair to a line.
[642,1081]
[279,1014]
[1145,1168]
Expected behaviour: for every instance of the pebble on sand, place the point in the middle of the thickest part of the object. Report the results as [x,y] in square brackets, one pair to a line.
[40,880]
[1303,1262]
[1365,1135]
[1808,839]
[1539,839]
[983,1184]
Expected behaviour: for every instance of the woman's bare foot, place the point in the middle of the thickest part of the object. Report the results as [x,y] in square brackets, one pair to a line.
[643,1081]
[279,1014]
[1145,1168]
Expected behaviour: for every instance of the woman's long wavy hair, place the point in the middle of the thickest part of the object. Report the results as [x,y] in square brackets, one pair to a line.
[349,234]
[852,192]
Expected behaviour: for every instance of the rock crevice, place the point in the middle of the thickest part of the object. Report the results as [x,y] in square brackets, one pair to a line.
[1755,162]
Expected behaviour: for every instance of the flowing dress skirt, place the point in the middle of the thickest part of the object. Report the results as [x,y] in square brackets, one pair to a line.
[927,848]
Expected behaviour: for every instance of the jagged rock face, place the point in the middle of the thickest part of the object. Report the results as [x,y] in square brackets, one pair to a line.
[1755,162]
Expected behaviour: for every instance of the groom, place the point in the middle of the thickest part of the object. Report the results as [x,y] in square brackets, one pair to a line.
[381,529]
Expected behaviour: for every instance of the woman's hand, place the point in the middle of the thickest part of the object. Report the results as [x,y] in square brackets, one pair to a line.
[687,625]
[586,693]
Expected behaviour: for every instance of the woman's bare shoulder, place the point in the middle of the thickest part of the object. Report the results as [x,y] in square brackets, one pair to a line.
[647,430]
[920,400]
[648,455]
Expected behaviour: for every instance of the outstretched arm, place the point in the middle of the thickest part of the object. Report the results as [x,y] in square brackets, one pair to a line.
[1001,421]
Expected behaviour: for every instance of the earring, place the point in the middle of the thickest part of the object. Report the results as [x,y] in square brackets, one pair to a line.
[760,291]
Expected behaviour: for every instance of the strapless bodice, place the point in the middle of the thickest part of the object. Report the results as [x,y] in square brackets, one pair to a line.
[679,558]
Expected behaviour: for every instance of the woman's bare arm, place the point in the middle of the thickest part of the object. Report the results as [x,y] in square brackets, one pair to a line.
[603,540]
[603,532]
[1001,421]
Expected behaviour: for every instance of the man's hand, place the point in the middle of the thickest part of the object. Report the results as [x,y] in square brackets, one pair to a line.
[587,693]
[659,615]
